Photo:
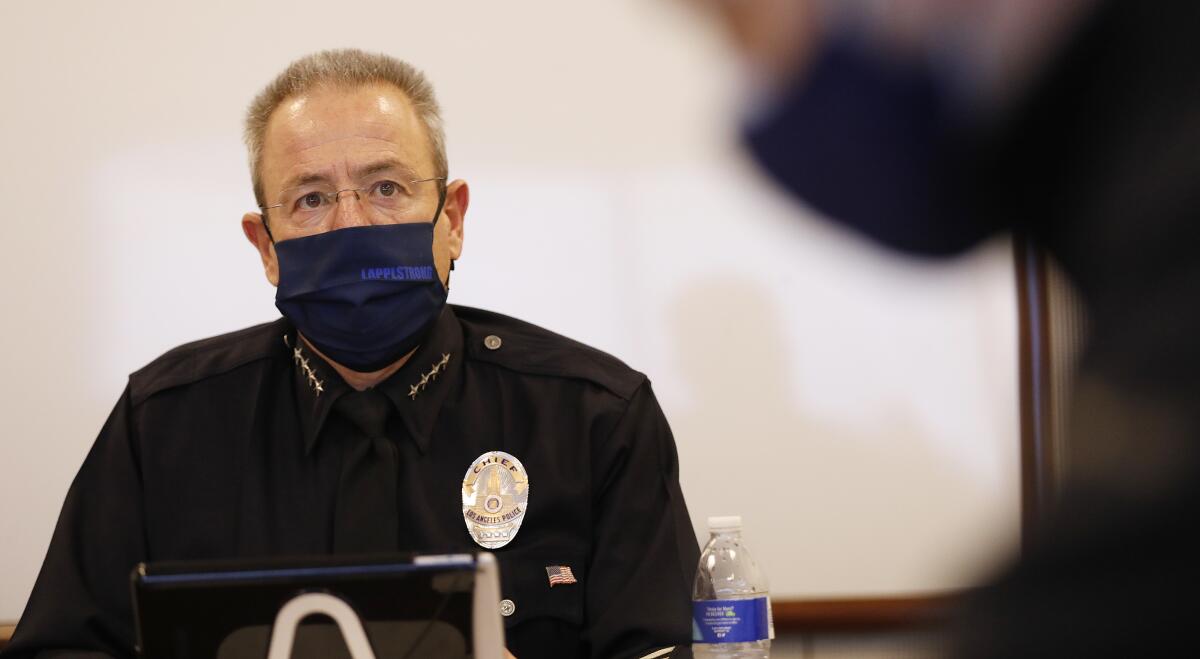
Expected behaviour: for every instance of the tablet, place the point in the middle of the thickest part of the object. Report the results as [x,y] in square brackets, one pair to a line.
[329,607]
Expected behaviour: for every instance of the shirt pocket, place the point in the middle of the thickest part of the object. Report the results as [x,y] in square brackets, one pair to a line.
[527,593]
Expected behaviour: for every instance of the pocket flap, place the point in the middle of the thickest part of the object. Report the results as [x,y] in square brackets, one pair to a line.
[541,588]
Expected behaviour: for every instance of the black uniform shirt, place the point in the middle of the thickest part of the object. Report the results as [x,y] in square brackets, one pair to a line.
[225,448]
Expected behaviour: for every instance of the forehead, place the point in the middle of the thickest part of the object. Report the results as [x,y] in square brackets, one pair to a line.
[331,126]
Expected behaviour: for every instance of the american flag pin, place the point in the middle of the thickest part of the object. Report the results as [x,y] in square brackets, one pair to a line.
[559,574]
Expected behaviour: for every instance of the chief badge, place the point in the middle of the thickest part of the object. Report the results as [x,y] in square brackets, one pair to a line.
[495,496]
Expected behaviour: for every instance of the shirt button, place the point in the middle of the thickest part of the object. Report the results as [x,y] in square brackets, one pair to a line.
[507,607]
[492,342]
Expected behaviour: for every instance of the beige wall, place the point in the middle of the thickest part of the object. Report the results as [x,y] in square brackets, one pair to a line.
[858,409]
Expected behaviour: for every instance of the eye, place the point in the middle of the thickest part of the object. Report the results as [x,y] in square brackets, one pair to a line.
[386,188]
[310,201]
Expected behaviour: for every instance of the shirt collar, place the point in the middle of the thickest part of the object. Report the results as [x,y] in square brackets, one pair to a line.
[417,389]
[317,387]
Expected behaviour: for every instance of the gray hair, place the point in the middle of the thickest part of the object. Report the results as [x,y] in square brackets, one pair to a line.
[350,68]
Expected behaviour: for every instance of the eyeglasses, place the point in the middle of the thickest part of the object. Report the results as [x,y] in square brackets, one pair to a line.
[383,200]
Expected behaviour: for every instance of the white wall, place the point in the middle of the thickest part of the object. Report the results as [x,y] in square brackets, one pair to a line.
[858,409]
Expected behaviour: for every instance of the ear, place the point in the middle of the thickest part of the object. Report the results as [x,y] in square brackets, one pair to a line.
[458,197]
[256,233]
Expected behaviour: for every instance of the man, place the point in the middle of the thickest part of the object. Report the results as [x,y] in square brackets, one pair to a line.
[929,125]
[348,425]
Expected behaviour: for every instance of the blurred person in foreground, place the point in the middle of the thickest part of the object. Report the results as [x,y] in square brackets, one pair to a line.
[373,417]
[930,125]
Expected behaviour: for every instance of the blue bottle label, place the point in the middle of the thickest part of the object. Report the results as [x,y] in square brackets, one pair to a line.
[730,621]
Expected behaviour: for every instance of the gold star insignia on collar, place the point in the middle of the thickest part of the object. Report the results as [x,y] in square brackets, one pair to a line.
[316,383]
[426,378]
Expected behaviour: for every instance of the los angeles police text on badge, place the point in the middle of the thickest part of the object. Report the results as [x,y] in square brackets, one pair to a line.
[495,498]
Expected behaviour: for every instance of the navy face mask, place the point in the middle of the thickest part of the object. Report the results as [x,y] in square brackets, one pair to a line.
[364,296]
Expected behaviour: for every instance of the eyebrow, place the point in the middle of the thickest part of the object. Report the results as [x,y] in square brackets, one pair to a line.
[359,173]
[383,166]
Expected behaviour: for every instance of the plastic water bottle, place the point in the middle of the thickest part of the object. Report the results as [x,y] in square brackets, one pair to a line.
[731,611]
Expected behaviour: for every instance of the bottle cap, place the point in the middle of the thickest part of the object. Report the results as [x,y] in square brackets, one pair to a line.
[725,523]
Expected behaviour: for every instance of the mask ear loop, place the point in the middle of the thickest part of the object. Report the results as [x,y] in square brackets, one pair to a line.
[437,216]
[441,202]
[263,217]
